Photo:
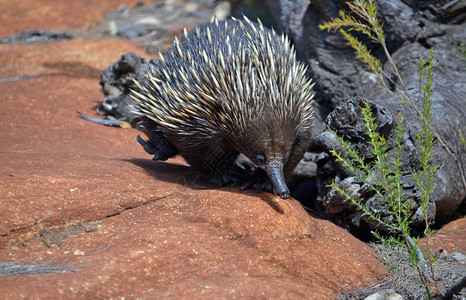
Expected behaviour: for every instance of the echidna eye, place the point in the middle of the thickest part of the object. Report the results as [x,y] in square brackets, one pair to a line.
[260,159]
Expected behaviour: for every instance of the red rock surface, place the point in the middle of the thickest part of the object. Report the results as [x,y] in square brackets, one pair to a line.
[55,14]
[50,157]
[159,230]
[200,243]
[449,238]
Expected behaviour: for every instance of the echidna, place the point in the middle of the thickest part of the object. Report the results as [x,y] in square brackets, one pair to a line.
[225,88]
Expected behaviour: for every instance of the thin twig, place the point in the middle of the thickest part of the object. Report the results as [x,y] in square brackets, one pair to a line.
[98,251]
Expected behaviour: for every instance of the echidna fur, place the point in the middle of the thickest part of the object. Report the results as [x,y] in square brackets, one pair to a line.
[224,88]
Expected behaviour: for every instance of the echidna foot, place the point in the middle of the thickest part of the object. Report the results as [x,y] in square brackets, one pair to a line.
[217,181]
[232,178]
[257,179]
[152,150]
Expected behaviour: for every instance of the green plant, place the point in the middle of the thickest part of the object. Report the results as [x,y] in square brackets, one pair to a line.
[425,176]
[382,176]
[462,138]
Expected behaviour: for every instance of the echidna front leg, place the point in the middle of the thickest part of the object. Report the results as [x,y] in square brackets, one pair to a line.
[218,162]
[233,174]
[224,168]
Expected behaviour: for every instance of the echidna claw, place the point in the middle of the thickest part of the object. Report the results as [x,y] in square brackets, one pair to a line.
[145,145]
[217,181]
[257,180]
[260,186]
[246,185]
[244,179]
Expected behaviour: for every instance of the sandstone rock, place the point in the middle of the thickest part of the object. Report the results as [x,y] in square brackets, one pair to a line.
[54,14]
[200,243]
[45,166]
[450,238]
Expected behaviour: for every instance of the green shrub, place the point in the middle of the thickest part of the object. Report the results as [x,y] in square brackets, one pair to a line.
[382,176]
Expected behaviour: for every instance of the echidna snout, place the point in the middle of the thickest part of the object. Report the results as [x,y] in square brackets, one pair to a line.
[275,173]
[274,150]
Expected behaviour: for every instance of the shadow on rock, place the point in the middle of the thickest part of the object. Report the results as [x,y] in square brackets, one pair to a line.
[174,173]
[188,177]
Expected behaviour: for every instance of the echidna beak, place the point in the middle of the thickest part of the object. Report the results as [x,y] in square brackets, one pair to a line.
[275,173]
